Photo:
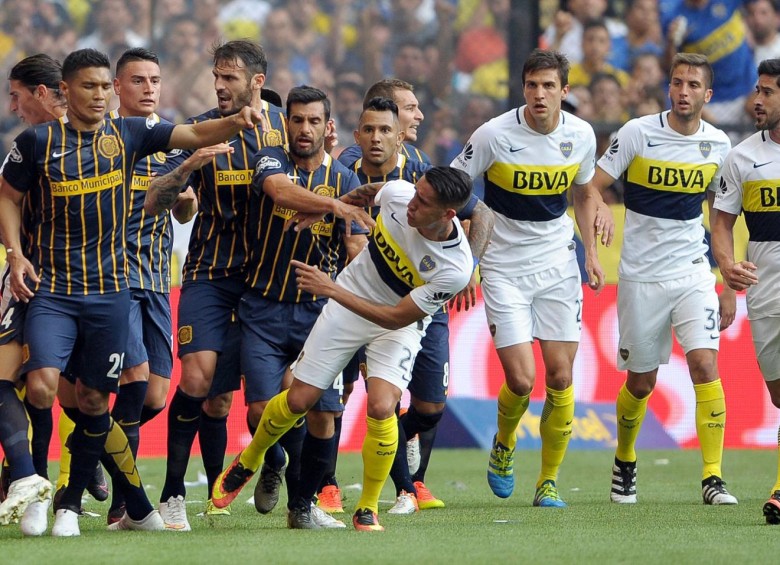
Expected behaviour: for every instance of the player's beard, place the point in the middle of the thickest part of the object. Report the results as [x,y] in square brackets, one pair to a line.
[313,149]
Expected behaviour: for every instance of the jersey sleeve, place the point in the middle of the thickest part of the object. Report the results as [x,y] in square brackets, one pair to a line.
[468,210]
[269,161]
[440,290]
[728,198]
[622,150]
[715,183]
[152,136]
[19,166]
[588,164]
[478,153]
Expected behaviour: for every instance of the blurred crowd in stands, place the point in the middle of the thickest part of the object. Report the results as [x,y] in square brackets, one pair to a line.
[454,52]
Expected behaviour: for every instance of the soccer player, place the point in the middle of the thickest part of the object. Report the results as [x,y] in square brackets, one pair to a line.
[667,162]
[379,137]
[409,114]
[76,173]
[749,181]
[417,259]
[148,363]
[34,88]
[273,299]
[530,157]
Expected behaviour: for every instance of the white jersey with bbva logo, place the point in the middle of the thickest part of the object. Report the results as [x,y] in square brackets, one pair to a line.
[527,174]
[750,183]
[398,260]
[665,179]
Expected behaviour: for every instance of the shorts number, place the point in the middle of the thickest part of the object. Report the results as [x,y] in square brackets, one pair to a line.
[445,381]
[117,359]
[579,311]
[8,318]
[406,364]
[338,384]
[712,319]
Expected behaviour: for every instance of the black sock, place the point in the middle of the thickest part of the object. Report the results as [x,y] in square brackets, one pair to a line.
[42,426]
[329,478]
[86,446]
[13,433]
[274,457]
[427,439]
[212,436]
[424,425]
[316,453]
[183,423]
[127,414]
[149,413]
[119,461]
[292,442]
[399,472]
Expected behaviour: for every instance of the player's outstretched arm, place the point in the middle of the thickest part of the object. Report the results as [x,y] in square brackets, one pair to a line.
[480,229]
[311,279]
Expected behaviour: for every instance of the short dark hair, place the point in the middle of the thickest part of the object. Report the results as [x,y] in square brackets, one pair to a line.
[37,69]
[540,60]
[693,60]
[595,23]
[381,104]
[770,67]
[306,94]
[271,96]
[82,59]
[452,186]
[386,89]
[136,54]
[250,53]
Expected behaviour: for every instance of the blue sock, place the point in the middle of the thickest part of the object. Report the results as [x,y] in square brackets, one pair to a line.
[13,433]
[183,423]
[42,426]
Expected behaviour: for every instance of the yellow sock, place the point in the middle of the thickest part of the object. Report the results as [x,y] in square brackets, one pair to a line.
[511,408]
[710,425]
[630,412]
[65,427]
[379,447]
[277,419]
[555,431]
[777,482]
[118,448]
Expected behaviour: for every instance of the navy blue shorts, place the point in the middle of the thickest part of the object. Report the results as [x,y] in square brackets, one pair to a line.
[205,313]
[272,337]
[227,374]
[12,313]
[431,371]
[85,335]
[149,333]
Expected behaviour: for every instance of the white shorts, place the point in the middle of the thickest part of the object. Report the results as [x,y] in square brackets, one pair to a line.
[545,305]
[647,312]
[337,335]
[766,341]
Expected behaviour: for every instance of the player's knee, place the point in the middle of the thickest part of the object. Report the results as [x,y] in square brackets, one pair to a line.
[92,402]
[219,406]
[703,370]
[320,424]
[139,373]
[41,393]
[424,421]
[380,408]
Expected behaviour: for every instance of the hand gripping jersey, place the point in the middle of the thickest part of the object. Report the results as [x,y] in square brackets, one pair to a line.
[400,261]
[77,184]
[526,177]
[666,176]
[272,248]
[750,183]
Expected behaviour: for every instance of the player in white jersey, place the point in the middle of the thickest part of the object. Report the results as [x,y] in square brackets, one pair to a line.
[667,162]
[417,259]
[750,184]
[529,158]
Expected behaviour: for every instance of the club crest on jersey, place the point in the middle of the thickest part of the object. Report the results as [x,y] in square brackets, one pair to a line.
[185,335]
[15,155]
[324,190]
[266,163]
[108,146]
[566,148]
[272,138]
[705,148]
[427,264]
[159,156]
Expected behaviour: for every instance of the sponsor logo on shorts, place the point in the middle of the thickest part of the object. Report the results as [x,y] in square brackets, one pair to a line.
[185,335]
[624,354]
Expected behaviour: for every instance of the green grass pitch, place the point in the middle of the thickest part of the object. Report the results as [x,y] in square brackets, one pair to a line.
[668,525]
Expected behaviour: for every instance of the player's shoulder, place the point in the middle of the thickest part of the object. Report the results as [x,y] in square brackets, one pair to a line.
[349,156]
[575,124]
[393,191]
[753,146]
[212,114]
[714,133]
